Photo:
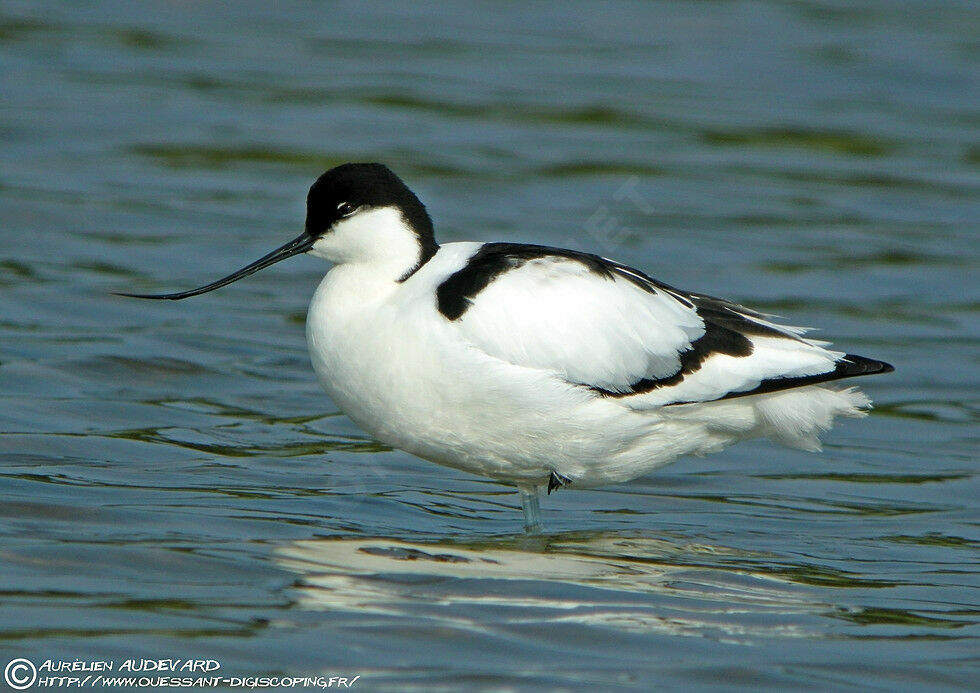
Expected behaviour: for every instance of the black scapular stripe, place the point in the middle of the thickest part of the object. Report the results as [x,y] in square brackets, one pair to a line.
[455,294]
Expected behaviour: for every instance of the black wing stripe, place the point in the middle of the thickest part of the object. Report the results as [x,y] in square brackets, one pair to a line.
[850,366]
[455,294]
[717,339]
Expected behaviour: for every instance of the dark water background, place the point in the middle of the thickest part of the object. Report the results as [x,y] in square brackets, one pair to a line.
[174,484]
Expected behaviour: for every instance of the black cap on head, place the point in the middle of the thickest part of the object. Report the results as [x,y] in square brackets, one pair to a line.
[372,185]
[338,193]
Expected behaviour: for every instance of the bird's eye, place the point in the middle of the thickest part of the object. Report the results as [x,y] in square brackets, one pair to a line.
[345,209]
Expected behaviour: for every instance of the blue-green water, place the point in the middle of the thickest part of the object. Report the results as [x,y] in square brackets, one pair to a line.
[174,484]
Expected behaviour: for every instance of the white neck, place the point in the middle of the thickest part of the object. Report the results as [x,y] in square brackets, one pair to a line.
[378,239]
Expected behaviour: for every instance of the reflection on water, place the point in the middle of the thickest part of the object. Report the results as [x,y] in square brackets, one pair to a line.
[623,583]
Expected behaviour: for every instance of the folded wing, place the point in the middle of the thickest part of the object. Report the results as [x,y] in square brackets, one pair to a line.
[596,323]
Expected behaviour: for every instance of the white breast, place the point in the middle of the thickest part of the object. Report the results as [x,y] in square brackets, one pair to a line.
[437,388]
[402,372]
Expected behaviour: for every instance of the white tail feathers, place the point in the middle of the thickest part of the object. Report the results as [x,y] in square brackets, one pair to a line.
[793,417]
[797,417]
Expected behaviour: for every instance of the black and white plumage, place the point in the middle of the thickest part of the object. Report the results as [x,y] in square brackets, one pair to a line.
[538,366]
[646,342]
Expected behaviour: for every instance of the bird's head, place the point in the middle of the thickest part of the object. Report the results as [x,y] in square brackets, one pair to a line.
[355,214]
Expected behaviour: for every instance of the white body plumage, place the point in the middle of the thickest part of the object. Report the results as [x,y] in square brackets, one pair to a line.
[490,393]
[535,365]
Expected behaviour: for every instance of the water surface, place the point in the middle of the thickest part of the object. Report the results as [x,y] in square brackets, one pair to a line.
[175,484]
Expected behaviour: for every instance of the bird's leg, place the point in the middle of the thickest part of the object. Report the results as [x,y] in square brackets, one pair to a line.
[532,509]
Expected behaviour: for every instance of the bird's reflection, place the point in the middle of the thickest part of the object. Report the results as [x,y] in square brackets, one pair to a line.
[627,583]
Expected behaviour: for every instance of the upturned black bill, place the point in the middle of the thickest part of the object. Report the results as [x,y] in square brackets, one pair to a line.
[294,247]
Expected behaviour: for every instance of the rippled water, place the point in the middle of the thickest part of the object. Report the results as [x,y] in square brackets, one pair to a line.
[174,483]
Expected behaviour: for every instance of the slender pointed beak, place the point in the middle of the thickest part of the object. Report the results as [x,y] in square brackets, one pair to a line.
[294,247]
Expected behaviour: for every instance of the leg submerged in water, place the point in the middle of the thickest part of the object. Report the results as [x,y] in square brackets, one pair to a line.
[532,509]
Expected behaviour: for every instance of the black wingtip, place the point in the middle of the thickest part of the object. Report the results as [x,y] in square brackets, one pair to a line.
[848,366]
[853,365]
